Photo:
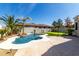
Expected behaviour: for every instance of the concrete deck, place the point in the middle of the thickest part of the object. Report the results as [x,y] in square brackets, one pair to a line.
[55,46]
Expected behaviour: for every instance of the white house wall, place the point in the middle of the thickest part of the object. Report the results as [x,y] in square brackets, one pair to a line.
[38,30]
[77,31]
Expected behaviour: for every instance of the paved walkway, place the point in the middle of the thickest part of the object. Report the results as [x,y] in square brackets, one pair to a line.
[63,46]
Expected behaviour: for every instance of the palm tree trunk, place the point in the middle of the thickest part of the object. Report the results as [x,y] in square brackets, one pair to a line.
[23,28]
[1,36]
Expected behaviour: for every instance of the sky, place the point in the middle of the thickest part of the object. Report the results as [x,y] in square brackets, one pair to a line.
[42,13]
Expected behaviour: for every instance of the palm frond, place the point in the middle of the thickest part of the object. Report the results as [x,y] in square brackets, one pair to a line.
[1,18]
[29,18]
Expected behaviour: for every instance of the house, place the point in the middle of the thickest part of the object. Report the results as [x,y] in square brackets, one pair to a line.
[38,28]
[76,25]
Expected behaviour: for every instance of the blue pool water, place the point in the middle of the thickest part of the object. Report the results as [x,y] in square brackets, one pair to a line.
[26,39]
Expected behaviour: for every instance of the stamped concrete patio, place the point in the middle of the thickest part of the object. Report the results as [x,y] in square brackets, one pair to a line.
[67,48]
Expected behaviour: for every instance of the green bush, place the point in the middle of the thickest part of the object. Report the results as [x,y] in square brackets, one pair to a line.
[70,31]
[56,34]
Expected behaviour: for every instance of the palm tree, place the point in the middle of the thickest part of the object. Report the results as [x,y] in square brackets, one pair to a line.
[24,20]
[2,32]
[10,23]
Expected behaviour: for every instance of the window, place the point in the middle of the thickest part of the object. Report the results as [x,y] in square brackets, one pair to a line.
[76,26]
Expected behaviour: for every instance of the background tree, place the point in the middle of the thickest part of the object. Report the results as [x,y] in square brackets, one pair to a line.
[68,22]
[59,24]
[69,25]
[54,24]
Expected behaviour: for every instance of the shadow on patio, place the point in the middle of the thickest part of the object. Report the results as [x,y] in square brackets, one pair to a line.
[70,48]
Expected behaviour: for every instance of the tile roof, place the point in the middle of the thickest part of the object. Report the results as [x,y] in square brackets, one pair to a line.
[36,25]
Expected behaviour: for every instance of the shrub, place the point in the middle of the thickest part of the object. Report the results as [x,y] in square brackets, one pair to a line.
[70,31]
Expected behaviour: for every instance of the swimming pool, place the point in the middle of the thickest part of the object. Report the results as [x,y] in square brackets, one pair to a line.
[15,43]
[26,39]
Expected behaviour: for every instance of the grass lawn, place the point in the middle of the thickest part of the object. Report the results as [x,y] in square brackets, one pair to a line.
[56,33]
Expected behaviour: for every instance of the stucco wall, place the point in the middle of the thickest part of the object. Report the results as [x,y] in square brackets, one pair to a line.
[77,31]
[38,30]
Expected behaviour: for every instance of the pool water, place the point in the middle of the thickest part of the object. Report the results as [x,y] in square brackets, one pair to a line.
[26,39]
